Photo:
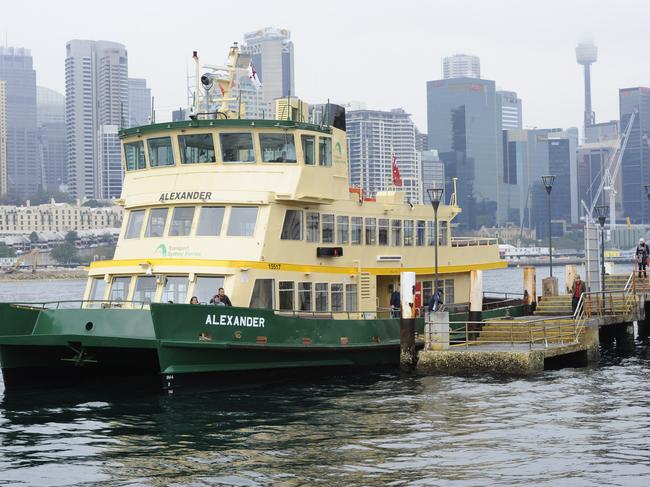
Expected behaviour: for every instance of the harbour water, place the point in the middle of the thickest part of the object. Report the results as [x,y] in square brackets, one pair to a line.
[584,427]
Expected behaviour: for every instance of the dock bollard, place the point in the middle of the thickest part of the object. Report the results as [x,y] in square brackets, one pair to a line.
[407,352]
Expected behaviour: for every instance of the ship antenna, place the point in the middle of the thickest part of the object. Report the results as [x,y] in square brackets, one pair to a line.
[197,93]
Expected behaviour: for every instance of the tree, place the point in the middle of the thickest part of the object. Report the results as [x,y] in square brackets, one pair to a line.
[65,253]
[6,251]
[33,237]
[71,237]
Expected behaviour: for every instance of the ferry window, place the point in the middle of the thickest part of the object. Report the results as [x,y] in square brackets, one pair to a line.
[286,295]
[206,287]
[160,152]
[443,234]
[304,296]
[120,288]
[181,221]
[321,296]
[156,223]
[313,227]
[430,233]
[134,155]
[263,292]
[396,229]
[292,226]
[448,298]
[427,291]
[357,229]
[309,149]
[351,297]
[97,288]
[278,148]
[210,221]
[134,226]
[328,228]
[175,290]
[145,288]
[342,224]
[242,221]
[383,231]
[408,232]
[420,233]
[371,231]
[325,151]
[237,147]
[337,297]
[196,148]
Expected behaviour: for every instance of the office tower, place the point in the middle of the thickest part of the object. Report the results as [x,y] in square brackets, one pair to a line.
[510,110]
[586,55]
[433,174]
[23,166]
[3,136]
[179,115]
[599,132]
[562,146]
[373,136]
[463,126]
[97,94]
[461,66]
[110,161]
[421,141]
[592,158]
[139,102]
[271,52]
[635,165]
[50,118]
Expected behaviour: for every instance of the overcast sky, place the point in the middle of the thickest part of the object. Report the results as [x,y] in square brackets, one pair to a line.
[380,52]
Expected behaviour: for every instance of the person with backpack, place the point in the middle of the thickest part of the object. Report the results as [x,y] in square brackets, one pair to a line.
[642,253]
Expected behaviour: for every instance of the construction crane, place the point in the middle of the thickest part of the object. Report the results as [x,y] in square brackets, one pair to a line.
[610,173]
[19,261]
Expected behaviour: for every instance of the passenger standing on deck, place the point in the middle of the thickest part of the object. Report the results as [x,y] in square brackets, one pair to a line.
[224,299]
[194,300]
[577,288]
[395,303]
[642,253]
[435,303]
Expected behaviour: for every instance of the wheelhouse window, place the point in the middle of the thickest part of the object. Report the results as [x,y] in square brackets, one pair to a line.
[196,148]
[325,151]
[145,289]
[322,296]
[351,303]
[134,155]
[210,221]
[371,231]
[343,229]
[160,152]
[263,292]
[278,147]
[237,147]
[396,230]
[309,149]
[304,296]
[156,223]
[337,297]
[328,229]
[292,226]
[134,227]
[120,288]
[206,287]
[182,218]
[313,227]
[97,290]
[286,295]
[242,221]
[420,234]
[175,290]
[357,229]
[408,232]
[383,231]
[427,291]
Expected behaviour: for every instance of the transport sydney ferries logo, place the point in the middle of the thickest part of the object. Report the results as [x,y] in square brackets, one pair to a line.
[165,250]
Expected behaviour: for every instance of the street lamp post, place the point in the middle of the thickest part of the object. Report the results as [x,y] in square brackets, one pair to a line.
[435,195]
[548,185]
[601,215]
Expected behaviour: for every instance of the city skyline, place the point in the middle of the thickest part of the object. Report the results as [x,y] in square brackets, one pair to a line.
[517,50]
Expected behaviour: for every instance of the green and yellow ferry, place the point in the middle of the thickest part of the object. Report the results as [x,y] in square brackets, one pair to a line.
[263,209]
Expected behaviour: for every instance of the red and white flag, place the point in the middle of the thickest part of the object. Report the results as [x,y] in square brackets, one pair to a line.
[252,75]
[397,179]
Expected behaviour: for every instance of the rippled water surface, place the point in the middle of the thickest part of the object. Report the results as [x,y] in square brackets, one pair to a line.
[569,427]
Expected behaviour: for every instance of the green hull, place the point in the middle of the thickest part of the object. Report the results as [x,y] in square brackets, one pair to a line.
[171,342]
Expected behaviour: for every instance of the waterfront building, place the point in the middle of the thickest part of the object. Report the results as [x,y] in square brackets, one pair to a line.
[50,116]
[97,94]
[510,110]
[461,66]
[433,174]
[57,217]
[373,136]
[23,163]
[635,166]
[3,137]
[139,102]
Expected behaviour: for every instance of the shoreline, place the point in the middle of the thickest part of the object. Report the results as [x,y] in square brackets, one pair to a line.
[43,274]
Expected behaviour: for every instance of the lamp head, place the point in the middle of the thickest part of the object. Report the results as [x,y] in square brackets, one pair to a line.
[601,214]
[435,195]
[548,182]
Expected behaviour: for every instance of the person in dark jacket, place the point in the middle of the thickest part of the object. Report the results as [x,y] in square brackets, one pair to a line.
[577,288]
[395,303]
[223,298]
[642,253]
[436,300]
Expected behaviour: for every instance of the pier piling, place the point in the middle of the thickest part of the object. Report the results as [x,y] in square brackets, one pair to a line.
[530,289]
[408,355]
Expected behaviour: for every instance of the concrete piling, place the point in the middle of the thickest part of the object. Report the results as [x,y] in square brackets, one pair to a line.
[408,354]
[530,289]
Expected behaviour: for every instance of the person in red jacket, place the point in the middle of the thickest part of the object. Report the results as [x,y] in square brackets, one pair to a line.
[577,288]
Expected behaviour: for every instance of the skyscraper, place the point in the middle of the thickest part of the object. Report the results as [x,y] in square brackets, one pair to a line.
[50,118]
[635,166]
[139,102]
[23,167]
[97,94]
[461,66]
[433,174]
[373,136]
[511,112]
[3,137]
